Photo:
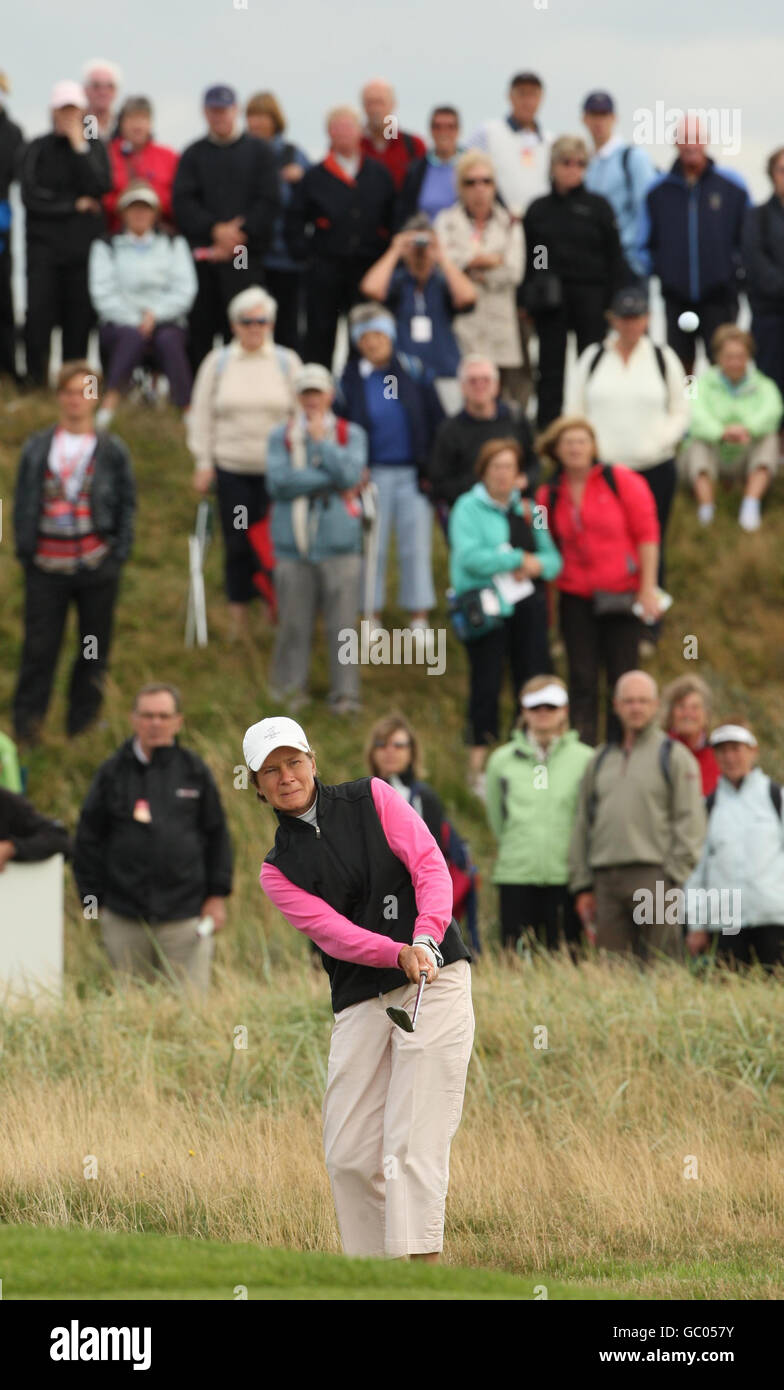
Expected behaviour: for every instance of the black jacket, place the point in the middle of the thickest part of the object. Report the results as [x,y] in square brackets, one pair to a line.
[11,150]
[763,256]
[457,445]
[580,233]
[215,183]
[113,496]
[161,869]
[334,220]
[33,835]
[352,867]
[52,177]
[408,198]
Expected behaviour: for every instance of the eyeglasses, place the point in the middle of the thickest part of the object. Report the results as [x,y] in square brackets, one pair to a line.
[478,380]
[581,163]
[470,183]
[391,743]
[248,323]
[153,714]
[443,125]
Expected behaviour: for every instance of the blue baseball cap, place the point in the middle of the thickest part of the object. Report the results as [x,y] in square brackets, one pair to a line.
[220,95]
[599,104]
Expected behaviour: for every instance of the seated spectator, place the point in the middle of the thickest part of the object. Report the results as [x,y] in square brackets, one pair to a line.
[622,173]
[763,261]
[135,156]
[314,466]
[496,549]
[338,221]
[142,284]
[242,392]
[686,715]
[393,753]
[10,774]
[283,275]
[102,81]
[226,203]
[73,523]
[742,860]
[483,240]
[603,520]
[400,425]
[634,394]
[417,281]
[430,184]
[26,837]
[63,178]
[517,145]
[396,149]
[734,426]
[575,265]
[532,787]
[483,416]
[639,829]
[152,850]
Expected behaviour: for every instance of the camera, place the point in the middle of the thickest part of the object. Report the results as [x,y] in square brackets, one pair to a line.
[421,239]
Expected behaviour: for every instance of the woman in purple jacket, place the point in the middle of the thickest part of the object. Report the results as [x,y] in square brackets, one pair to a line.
[356,869]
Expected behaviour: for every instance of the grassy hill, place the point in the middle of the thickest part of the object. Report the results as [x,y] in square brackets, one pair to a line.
[569,1164]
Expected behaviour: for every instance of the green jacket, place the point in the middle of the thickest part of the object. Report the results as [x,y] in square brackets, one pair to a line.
[531,807]
[10,777]
[479,542]
[755,403]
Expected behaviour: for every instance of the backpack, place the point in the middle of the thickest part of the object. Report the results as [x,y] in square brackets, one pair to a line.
[223,356]
[341,433]
[775,795]
[665,758]
[660,363]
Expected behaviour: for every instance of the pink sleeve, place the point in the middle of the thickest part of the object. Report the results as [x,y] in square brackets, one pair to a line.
[639,506]
[329,929]
[409,838]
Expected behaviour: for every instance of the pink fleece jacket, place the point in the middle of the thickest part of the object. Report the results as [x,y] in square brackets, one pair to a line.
[409,838]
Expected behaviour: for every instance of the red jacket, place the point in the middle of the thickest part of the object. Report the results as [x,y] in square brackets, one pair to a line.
[397,155]
[600,545]
[709,768]
[156,164]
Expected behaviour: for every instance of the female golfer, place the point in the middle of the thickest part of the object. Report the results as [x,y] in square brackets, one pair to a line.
[357,870]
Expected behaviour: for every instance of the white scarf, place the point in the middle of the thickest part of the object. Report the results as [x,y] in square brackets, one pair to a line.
[298,446]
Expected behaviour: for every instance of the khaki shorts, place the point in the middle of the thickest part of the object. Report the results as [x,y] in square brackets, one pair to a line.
[700,457]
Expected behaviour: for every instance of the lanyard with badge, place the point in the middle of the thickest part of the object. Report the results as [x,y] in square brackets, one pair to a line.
[421,322]
[70,470]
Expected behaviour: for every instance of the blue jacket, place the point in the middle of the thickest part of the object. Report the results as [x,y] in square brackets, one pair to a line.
[623,178]
[479,544]
[129,274]
[690,234]
[744,849]
[416,393]
[334,525]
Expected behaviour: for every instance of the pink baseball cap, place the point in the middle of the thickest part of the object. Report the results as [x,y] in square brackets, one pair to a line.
[67,93]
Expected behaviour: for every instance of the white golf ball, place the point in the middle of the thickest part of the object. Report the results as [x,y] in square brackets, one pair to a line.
[689,322]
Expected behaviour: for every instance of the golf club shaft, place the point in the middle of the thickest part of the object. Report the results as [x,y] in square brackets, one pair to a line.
[415,1014]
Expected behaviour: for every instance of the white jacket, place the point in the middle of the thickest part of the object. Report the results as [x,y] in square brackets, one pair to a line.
[744,850]
[638,420]
[521,159]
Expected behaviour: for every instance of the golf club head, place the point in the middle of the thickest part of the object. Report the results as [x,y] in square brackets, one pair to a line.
[401,1018]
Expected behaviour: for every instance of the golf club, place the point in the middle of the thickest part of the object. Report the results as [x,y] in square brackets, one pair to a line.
[401,1018]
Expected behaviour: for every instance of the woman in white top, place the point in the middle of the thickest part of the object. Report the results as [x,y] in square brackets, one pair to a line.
[634,395]
[243,391]
[481,239]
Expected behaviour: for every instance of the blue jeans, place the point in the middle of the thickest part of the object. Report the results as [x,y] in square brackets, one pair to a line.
[400,502]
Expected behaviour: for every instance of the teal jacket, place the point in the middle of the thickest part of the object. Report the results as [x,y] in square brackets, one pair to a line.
[755,402]
[531,807]
[479,541]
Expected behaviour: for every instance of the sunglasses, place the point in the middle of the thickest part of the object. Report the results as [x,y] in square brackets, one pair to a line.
[247,323]
[392,743]
[469,183]
[581,163]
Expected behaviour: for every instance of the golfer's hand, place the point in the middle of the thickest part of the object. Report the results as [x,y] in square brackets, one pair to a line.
[413,960]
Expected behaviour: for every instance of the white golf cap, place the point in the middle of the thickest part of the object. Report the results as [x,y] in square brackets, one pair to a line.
[141,194]
[263,738]
[732,733]
[547,695]
[68,94]
[313,377]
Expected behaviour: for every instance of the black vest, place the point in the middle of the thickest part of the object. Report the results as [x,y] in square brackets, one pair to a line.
[349,864]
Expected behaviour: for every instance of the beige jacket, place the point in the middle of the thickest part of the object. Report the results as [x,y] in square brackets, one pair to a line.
[238,399]
[491,327]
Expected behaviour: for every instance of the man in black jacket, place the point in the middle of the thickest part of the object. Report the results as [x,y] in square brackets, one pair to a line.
[73,524]
[484,416]
[225,200]
[339,221]
[11,149]
[63,178]
[153,851]
[27,837]
[763,261]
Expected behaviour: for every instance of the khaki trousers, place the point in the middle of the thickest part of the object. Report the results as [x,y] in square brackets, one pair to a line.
[701,457]
[616,929]
[170,950]
[392,1106]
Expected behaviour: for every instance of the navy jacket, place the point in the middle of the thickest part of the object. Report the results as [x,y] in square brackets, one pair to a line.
[690,234]
[416,393]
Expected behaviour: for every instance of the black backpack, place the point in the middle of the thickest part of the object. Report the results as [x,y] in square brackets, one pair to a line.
[665,758]
[775,795]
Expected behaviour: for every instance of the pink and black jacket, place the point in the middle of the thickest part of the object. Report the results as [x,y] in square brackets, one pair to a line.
[361,885]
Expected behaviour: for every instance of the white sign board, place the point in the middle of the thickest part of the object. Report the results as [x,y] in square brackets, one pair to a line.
[31,928]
